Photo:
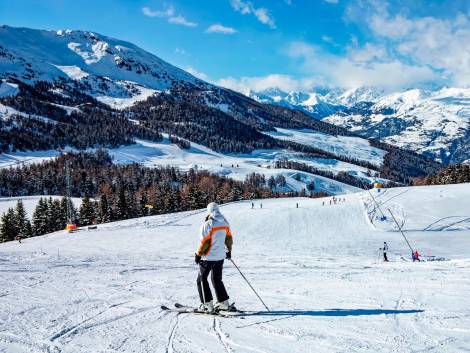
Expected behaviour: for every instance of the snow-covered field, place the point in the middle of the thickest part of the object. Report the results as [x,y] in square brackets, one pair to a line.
[29,203]
[317,268]
[353,147]
[235,166]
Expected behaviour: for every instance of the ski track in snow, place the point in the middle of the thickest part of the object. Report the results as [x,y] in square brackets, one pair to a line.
[316,267]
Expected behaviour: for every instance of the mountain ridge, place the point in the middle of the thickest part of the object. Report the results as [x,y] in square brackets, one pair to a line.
[70,102]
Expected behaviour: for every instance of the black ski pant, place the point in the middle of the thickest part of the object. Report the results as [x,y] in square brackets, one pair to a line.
[216,268]
[385,257]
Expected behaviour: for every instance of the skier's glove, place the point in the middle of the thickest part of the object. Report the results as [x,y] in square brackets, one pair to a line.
[197,259]
[228,255]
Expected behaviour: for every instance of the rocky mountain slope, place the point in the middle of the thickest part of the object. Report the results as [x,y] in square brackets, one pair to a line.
[434,123]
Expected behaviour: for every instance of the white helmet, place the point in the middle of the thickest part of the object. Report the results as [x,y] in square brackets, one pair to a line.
[213,208]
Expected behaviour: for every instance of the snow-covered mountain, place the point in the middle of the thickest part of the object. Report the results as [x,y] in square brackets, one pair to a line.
[114,71]
[77,90]
[314,103]
[435,123]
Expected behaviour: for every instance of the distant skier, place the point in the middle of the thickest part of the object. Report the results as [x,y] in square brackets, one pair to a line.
[261,205]
[415,256]
[296,205]
[385,250]
[216,245]
[252,205]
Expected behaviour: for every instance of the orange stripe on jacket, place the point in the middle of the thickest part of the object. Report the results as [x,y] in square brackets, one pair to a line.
[209,237]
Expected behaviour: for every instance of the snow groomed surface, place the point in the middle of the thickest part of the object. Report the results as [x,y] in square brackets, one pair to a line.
[317,267]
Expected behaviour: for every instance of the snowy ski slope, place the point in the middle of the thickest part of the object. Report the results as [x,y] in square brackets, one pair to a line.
[317,267]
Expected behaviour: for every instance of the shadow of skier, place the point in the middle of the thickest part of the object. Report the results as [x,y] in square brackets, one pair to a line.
[286,314]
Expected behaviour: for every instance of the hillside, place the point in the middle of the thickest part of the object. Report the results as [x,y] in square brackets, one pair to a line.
[77,90]
[317,268]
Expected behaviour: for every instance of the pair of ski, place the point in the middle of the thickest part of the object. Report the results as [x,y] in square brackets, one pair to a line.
[183,309]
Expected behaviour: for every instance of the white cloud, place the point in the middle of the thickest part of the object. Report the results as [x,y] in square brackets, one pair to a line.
[261,13]
[331,1]
[368,66]
[181,51]
[170,14]
[218,28]
[441,44]
[196,73]
[165,13]
[368,53]
[180,20]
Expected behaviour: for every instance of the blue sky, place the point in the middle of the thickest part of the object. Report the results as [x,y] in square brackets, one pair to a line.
[293,44]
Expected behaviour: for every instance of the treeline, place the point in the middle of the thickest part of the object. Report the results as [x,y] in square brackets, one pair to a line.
[183,144]
[193,121]
[452,174]
[116,192]
[404,166]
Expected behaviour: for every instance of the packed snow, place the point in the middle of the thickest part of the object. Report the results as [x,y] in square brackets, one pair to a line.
[29,203]
[15,159]
[353,147]
[8,89]
[126,102]
[318,268]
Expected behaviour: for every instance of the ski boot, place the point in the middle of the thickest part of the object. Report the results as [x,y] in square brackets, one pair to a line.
[225,306]
[207,307]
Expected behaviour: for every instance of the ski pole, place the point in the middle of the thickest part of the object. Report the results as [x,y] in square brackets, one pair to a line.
[249,284]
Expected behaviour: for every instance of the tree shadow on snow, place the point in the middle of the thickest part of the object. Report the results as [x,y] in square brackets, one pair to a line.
[287,314]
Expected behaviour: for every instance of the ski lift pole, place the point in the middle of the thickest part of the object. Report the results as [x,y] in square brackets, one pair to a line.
[375,201]
[401,231]
[249,284]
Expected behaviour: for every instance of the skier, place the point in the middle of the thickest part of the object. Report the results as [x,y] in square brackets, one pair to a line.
[415,256]
[261,205]
[216,245]
[385,249]
[252,205]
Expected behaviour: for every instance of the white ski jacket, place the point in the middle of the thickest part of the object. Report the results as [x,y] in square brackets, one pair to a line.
[215,237]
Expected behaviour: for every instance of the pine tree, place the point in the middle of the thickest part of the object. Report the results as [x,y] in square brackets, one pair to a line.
[20,219]
[143,202]
[63,210]
[132,207]
[8,229]
[86,213]
[58,220]
[121,206]
[104,209]
[51,216]
[28,229]
[40,225]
